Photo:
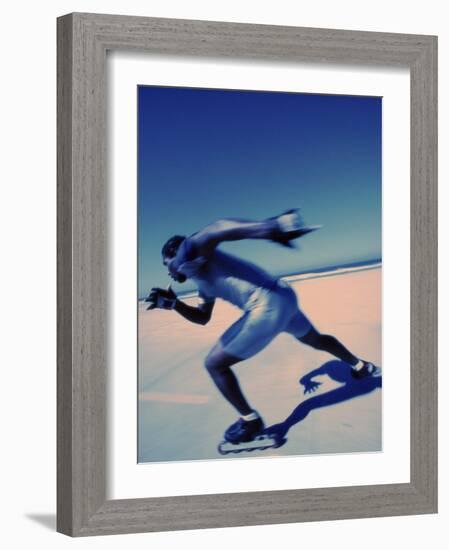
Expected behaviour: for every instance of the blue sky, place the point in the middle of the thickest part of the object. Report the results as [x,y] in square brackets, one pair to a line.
[205,154]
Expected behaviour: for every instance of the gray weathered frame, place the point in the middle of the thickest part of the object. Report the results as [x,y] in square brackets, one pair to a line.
[83,40]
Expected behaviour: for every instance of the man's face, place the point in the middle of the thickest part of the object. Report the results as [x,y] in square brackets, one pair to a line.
[175,275]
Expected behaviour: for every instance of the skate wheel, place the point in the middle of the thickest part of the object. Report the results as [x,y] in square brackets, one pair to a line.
[220,449]
[280,442]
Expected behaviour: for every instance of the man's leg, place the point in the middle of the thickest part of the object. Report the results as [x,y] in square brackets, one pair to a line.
[243,339]
[218,364]
[301,328]
[326,342]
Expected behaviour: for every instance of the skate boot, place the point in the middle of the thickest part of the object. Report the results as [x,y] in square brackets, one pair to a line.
[244,430]
[367,370]
[249,436]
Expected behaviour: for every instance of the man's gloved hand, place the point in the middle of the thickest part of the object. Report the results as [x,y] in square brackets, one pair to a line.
[289,226]
[160,298]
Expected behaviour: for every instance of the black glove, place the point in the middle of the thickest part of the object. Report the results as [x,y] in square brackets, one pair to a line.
[160,298]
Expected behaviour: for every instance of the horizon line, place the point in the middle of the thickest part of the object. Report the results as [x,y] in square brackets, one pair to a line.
[313,273]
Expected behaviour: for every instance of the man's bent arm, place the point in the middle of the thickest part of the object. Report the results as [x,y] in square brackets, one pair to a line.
[200,315]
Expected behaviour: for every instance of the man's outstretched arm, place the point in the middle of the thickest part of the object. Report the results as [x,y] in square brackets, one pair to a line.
[281,229]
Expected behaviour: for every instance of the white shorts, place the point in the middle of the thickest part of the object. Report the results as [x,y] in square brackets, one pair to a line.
[268,313]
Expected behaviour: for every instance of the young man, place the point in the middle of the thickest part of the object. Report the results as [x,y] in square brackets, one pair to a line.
[269,304]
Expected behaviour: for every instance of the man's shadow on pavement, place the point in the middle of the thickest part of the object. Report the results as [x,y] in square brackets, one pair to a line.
[338,371]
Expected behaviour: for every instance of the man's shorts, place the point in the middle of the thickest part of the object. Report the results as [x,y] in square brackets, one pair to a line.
[268,313]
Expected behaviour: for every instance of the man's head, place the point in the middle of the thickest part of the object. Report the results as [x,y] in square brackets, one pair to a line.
[169,251]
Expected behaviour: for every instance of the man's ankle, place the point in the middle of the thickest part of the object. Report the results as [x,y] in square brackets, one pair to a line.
[251,416]
[359,365]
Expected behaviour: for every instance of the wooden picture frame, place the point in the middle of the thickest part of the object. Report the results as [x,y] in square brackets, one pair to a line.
[83,40]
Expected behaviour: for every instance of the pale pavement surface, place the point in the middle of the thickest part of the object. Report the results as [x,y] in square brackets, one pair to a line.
[182,416]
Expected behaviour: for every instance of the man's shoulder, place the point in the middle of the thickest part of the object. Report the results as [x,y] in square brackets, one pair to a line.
[187,250]
[188,259]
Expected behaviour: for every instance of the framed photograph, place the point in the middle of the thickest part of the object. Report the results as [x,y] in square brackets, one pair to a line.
[247,293]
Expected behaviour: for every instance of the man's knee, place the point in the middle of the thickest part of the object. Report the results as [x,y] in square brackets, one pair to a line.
[211,363]
[218,361]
